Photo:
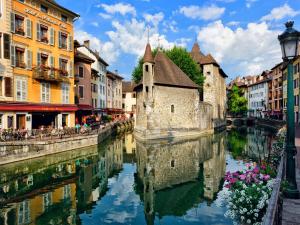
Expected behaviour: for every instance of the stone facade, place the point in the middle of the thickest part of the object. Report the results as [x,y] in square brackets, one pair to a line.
[214,87]
[168,102]
[214,92]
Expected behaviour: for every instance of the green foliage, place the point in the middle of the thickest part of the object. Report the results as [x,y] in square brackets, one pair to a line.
[237,141]
[181,58]
[237,103]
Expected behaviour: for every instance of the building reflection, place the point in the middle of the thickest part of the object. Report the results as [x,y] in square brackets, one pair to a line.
[174,176]
[54,192]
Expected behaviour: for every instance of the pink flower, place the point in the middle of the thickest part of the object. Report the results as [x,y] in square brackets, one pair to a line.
[263,167]
[256,170]
[242,177]
[266,177]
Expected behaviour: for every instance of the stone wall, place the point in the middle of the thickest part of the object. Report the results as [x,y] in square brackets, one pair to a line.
[214,92]
[18,151]
[156,119]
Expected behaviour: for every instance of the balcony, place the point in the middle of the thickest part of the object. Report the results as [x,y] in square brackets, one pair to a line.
[20,64]
[44,73]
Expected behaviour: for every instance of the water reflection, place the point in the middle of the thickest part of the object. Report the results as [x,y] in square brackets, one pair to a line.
[123,181]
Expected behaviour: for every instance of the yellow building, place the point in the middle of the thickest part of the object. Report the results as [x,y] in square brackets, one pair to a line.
[42,57]
[296,84]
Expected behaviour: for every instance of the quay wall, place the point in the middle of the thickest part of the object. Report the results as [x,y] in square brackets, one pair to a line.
[27,149]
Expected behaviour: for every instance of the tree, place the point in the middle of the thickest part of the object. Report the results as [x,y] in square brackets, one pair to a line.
[237,103]
[181,58]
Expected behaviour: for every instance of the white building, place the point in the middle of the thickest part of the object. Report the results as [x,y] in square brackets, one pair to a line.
[101,67]
[129,99]
[258,97]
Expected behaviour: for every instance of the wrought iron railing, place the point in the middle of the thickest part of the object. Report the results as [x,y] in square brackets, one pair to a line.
[50,74]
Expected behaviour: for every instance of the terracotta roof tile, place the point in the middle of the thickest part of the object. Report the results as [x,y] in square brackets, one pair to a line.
[167,72]
[148,54]
[128,86]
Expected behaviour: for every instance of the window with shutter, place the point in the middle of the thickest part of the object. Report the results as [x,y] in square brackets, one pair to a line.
[12,23]
[52,36]
[70,47]
[6,39]
[65,93]
[13,55]
[38,32]
[38,59]
[29,59]
[8,86]
[28,28]
[59,39]
[21,89]
[45,92]
[71,69]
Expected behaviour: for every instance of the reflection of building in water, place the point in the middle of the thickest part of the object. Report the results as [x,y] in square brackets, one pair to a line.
[215,167]
[258,143]
[172,175]
[114,157]
[129,148]
[53,207]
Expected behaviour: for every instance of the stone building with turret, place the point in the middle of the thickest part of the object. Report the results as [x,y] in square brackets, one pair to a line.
[214,88]
[168,101]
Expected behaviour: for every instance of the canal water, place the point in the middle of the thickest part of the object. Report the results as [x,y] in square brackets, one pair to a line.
[123,181]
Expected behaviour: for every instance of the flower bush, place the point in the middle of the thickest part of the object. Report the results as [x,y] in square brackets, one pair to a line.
[246,193]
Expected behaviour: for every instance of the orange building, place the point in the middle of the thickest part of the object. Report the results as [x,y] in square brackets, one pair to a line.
[42,57]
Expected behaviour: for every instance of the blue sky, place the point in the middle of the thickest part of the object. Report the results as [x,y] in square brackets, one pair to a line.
[240,34]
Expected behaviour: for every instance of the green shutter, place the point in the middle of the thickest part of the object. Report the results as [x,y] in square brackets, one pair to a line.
[13,55]
[12,23]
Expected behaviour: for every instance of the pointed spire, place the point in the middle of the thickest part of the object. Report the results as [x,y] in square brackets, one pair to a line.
[148,54]
[196,47]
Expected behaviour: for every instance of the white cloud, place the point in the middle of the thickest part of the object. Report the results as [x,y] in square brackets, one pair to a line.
[233,23]
[105,16]
[131,37]
[107,49]
[249,3]
[170,25]
[205,13]
[280,13]
[121,8]
[155,19]
[95,24]
[247,50]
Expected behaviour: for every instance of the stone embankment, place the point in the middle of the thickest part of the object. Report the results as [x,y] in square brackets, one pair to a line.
[28,149]
[246,121]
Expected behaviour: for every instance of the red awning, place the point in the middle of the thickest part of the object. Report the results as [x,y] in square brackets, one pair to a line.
[32,107]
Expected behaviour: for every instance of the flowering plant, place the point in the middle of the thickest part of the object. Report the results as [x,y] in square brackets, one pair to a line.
[247,194]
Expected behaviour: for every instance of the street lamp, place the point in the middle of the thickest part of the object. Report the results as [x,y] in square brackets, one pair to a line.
[289,42]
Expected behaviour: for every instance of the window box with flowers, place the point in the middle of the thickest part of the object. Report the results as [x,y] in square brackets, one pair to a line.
[44,39]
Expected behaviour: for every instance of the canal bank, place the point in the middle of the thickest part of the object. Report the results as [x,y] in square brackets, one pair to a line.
[27,149]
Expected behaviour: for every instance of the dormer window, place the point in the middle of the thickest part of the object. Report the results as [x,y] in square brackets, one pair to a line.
[44,9]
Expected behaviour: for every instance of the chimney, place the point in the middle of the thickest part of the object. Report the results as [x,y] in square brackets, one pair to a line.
[87,43]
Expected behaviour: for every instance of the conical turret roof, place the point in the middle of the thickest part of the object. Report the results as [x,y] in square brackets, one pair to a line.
[148,54]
